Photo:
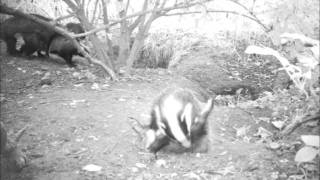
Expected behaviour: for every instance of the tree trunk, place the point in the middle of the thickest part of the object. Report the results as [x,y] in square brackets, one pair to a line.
[137,45]
[124,44]
[139,40]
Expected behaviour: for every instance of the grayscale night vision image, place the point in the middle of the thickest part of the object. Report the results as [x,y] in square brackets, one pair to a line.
[159,90]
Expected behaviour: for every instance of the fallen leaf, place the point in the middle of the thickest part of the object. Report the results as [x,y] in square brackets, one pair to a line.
[75,102]
[76,75]
[78,85]
[223,153]
[242,131]
[140,165]
[306,154]
[95,86]
[105,85]
[278,124]
[121,99]
[110,116]
[92,168]
[263,133]
[93,138]
[265,119]
[134,169]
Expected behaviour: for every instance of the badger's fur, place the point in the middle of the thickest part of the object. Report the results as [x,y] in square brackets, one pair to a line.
[177,115]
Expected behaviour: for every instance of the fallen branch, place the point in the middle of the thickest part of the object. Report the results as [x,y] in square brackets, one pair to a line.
[106,26]
[298,121]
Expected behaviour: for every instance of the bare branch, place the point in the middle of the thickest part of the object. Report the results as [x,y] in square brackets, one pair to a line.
[78,3]
[64,17]
[99,13]
[19,5]
[156,4]
[163,3]
[139,19]
[241,5]
[127,6]
[94,11]
[267,29]
[252,14]
[178,6]
[71,4]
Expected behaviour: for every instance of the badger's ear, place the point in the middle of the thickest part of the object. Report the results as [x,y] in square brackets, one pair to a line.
[206,108]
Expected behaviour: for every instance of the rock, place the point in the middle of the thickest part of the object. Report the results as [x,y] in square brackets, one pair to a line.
[274,145]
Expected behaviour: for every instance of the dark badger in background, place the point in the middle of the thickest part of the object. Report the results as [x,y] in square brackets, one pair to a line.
[63,47]
[38,38]
[178,115]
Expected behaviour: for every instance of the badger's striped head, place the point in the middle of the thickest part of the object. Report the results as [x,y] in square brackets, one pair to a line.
[178,116]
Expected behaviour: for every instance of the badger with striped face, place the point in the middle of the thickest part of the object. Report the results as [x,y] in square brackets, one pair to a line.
[177,115]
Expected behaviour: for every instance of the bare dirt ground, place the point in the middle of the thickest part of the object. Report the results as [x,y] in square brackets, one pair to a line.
[80,119]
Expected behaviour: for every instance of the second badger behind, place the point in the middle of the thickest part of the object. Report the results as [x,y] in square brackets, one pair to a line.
[64,48]
[178,115]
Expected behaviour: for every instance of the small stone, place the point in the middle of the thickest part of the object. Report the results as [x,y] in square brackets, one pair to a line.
[161,163]
[274,145]
[95,86]
[134,169]
[140,165]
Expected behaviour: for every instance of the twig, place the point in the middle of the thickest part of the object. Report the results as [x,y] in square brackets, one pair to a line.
[94,11]
[64,17]
[138,122]
[112,148]
[20,133]
[134,127]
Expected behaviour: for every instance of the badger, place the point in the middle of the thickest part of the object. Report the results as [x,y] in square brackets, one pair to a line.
[177,115]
